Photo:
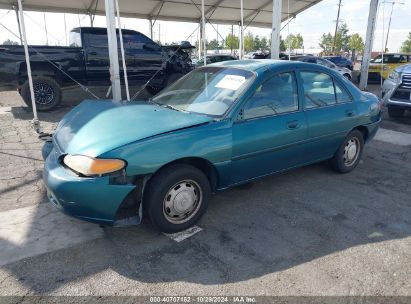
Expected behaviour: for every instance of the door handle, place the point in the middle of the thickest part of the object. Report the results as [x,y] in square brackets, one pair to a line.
[92,53]
[294,124]
[349,113]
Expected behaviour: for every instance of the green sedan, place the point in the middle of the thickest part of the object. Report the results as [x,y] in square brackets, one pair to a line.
[220,126]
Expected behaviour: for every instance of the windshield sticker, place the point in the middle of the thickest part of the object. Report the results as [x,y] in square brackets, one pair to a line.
[231,82]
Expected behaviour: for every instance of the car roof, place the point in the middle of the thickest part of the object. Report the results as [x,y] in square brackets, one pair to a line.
[253,65]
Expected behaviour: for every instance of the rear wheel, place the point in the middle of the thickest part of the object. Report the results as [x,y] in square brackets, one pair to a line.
[395,112]
[47,93]
[349,153]
[177,197]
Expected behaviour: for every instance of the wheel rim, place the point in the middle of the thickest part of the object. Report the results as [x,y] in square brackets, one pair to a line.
[351,151]
[43,93]
[182,201]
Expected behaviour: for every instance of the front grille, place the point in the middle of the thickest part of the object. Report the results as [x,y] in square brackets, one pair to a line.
[373,76]
[406,82]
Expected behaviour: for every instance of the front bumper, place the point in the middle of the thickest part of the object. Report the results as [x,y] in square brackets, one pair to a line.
[91,199]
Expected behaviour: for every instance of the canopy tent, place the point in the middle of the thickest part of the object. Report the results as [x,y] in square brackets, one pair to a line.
[257,13]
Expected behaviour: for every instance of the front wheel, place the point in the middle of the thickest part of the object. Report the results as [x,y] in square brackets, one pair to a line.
[47,93]
[349,153]
[177,197]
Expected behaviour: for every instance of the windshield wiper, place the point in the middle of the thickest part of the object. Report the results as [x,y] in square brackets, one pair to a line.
[173,108]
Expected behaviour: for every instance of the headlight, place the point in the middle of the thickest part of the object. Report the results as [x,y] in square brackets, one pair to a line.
[385,67]
[90,166]
[395,76]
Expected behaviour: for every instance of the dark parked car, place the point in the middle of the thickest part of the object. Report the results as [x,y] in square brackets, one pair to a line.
[324,62]
[216,58]
[86,60]
[341,61]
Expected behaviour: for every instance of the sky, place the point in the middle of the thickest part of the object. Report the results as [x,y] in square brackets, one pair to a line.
[311,24]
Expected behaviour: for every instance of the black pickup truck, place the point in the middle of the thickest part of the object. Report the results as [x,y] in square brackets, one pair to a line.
[86,60]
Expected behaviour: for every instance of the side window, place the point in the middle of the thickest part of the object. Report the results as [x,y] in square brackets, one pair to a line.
[135,40]
[276,95]
[97,40]
[318,89]
[341,94]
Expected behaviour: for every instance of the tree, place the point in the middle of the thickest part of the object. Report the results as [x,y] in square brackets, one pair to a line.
[326,43]
[264,46]
[283,46]
[355,43]
[249,42]
[257,43]
[406,45]
[10,42]
[298,42]
[213,45]
[342,38]
[231,41]
[294,42]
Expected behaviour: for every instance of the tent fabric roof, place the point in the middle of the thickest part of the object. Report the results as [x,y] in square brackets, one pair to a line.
[256,12]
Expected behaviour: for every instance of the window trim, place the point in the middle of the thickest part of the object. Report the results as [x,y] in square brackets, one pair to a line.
[242,108]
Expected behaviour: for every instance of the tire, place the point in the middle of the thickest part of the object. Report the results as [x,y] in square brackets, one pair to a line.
[395,112]
[47,93]
[347,76]
[349,153]
[176,197]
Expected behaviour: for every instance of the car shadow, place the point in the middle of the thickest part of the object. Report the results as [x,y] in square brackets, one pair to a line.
[274,224]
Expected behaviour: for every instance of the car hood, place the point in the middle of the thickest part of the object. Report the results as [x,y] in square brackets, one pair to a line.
[95,126]
[406,68]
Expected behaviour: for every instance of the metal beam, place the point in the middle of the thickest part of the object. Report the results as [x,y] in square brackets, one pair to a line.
[276,29]
[27,55]
[241,29]
[123,57]
[258,10]
[113,49]
[372,17]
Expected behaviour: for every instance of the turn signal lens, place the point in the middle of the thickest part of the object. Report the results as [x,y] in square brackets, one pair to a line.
[90,166]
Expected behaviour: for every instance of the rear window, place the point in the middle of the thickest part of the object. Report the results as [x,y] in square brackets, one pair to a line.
[75,39]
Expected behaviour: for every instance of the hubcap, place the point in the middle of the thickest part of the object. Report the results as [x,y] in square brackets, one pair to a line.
[43,93]
[351,151]
[182,201]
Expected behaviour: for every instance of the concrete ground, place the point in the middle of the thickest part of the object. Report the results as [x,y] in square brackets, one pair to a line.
[305,232]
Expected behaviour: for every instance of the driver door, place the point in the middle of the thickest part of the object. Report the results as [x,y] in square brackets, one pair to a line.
[269,133]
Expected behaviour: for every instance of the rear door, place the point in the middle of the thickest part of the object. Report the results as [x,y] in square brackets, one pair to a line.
[144,57]
[97,58]
[269,134]
[330,112]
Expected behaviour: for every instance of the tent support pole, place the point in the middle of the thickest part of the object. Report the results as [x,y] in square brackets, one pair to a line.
[372,17]
[275,29]
[113,49]
[150,25]
[204,41]
[18,24]
[120,31]
[241,29]
[36,123]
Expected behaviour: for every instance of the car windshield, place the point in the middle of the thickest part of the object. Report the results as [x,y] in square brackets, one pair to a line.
[209,91]
[392,58]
